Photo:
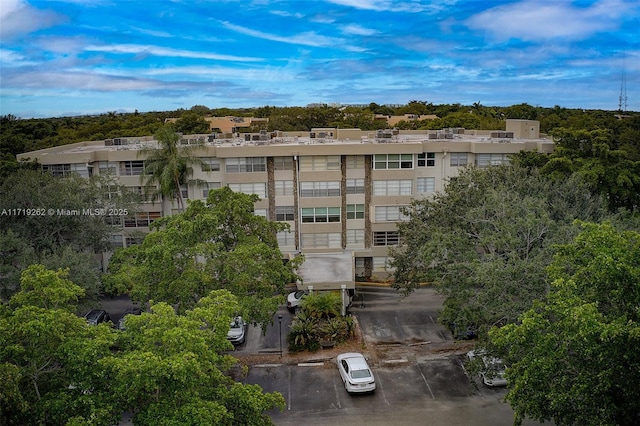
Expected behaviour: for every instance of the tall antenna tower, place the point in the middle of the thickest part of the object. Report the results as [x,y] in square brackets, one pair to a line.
[622,99]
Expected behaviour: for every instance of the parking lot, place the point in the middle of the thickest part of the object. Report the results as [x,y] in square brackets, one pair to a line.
[419,369]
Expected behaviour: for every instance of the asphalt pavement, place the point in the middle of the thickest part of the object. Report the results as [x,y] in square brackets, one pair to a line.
[419,368]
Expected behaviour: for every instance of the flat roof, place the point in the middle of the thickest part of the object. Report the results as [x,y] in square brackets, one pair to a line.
[327,270]
[137,143]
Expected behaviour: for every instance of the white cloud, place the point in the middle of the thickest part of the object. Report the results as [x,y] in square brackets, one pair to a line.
[164,51]
[531,20]
[394,6]
[355,29]
[9,57]
[306,39]
[75,80]
[17,18]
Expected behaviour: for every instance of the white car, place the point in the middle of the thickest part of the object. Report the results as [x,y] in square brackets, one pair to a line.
[237,331]
[294,299]
[493,369]
[355,373]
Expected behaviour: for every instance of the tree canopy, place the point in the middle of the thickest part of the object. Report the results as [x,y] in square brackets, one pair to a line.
[573,357]
[168,167]
[47,234]
[213,245]
[486,239]
[165,368]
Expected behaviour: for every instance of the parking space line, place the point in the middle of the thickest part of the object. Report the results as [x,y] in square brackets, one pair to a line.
[381,388]
[289,389]
[425,381]
[335,388]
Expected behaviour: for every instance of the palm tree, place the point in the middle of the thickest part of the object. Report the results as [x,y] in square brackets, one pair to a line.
[169,166]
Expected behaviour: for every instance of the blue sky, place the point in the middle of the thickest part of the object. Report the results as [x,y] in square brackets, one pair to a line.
[78,57]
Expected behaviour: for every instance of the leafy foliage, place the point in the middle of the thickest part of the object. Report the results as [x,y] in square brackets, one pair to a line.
[318,319]
[217,245]
[169,166]
[165,368]
[56,240]
[486,240]
[573,356]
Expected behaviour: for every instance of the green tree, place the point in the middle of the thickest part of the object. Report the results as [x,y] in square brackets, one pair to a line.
[40,362]
[597,157]
[191,123]
[53,239]
[48,195]
[486,239]
[573,357]
[173,368]
[220,244]
[166,368]
[322,304]
[169,166]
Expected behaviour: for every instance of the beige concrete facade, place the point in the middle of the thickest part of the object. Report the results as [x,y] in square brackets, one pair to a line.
[340,193]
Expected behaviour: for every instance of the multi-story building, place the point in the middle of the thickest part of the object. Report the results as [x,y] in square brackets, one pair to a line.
[341,190]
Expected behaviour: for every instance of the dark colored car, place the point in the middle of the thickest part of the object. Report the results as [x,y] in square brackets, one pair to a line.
[130,311]
[463,333]
[97,316]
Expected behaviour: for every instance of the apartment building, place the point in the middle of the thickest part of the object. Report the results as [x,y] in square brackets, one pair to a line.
[340,190]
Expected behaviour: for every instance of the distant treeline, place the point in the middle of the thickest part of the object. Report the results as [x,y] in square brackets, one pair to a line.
[24,135]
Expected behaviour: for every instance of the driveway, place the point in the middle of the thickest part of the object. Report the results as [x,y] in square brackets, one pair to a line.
[419,371]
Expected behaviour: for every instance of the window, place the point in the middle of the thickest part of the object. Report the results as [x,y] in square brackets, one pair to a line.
[111,191]
[427,159]
[425,185]
[284,213]
[485,160]
[133,240]
[283,163]
[106,168]
[355,186]
[131,168]
[184,191]
[389,214]
[355,161]
[57,169]
[66,169]
[258,188]
[284,187]
[458,159]
[145,193]
[380,264]
[209,186]
[140,220]
[355,236]
[392,187]
[261,213]
[393,161]
[210,164]
[286,238]
[324,240]
[115,240]
[355,211]
[320,189]
[386,238]
[320,214]
[320,163]
[244,165]
[115,221]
